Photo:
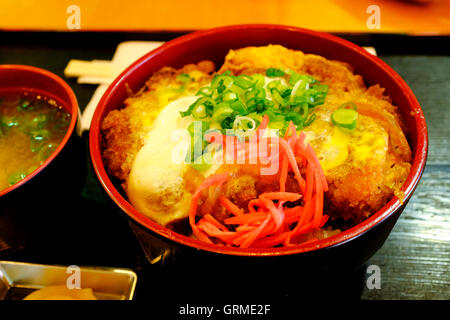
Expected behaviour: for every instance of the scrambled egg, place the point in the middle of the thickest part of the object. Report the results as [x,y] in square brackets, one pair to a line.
[334,145]
[155,185]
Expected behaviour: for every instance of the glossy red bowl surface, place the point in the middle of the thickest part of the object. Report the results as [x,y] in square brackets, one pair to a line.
[32,79]
[213,45]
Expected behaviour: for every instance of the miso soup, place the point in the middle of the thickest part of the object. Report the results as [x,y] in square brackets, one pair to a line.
[31,128]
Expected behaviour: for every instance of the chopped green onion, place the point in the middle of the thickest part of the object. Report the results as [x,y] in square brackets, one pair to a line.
[205,91]
[243,81]
[255,92]
[295,117]
[274,72]
[25,105]
[227,123]
[229,96]
[47,151]
[204,125]
[273,84]
[13,122]
[39,134]
[239,107]
[319,93]
[278,98]
[299,89]
[40,121]
[310,120]
[222,111]
[221,83]
[286,93]
[242,123]
[268,104]
[304,110]
[200,109]
[184,77]
[256,104]
[277,119]
[294,77]
[257,117]
[16,177]
[199,112]
[345,118]
[259,80]
[239,102]
[197,130]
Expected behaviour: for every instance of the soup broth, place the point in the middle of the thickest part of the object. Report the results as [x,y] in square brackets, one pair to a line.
[31,128]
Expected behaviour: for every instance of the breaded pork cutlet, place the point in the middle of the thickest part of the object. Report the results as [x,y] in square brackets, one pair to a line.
[370,167]
[357,188]
[124,130]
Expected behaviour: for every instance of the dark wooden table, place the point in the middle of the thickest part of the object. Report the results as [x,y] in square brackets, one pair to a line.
[414,261]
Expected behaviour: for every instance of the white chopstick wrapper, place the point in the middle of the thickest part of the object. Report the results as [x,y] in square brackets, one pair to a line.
[103,72]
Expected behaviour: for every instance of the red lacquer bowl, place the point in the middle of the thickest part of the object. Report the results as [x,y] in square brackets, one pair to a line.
[213,45]
[28,78]
[26,207]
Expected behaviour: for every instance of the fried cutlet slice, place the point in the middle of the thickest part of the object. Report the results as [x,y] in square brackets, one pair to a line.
[359,184]
[124,130]
[252,60]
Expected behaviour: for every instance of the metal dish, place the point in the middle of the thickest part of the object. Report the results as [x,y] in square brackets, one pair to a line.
[18,279]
